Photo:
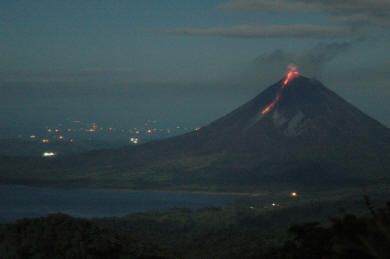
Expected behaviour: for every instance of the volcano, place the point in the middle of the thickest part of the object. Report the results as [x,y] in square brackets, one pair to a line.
[295,133]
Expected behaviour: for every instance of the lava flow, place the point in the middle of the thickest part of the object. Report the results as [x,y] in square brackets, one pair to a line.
[291,74]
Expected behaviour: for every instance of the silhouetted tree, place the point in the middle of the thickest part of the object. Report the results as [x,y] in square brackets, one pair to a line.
[346,237]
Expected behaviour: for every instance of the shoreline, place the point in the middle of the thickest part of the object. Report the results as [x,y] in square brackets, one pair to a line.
[67,186]
[118,189]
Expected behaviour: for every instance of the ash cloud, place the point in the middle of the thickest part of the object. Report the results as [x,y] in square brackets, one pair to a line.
[269,67]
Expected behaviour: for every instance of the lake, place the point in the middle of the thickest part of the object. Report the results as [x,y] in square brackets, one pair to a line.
[18,201]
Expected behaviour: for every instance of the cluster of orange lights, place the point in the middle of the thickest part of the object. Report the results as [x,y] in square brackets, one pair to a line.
[291,74]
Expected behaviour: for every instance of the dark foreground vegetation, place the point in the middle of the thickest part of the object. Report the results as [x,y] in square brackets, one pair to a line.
[204,233]
[346,237]
[61,236]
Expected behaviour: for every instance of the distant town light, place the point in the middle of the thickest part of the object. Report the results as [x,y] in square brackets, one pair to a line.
[48,154]
[294,194]
[134,140]
[33,136]
[45,140]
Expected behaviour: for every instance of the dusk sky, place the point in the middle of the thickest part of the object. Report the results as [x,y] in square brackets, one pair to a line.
[126,61]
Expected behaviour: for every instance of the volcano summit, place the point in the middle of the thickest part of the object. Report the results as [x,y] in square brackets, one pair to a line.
[295,133]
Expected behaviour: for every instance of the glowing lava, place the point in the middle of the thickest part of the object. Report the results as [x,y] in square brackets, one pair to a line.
[291,74]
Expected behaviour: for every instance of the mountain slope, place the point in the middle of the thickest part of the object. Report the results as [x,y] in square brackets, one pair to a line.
[297,133]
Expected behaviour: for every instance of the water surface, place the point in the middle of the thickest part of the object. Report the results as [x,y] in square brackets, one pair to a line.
[18,201]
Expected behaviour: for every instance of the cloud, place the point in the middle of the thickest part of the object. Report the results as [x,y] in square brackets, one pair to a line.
[267,6]
[267,31]
[270,67]
[348,17]
[352,12]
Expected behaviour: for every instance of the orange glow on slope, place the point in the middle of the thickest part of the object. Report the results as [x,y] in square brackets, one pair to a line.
[271,105]
[291,74]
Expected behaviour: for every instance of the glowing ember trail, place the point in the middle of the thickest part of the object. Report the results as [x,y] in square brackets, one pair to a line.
[291,74]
